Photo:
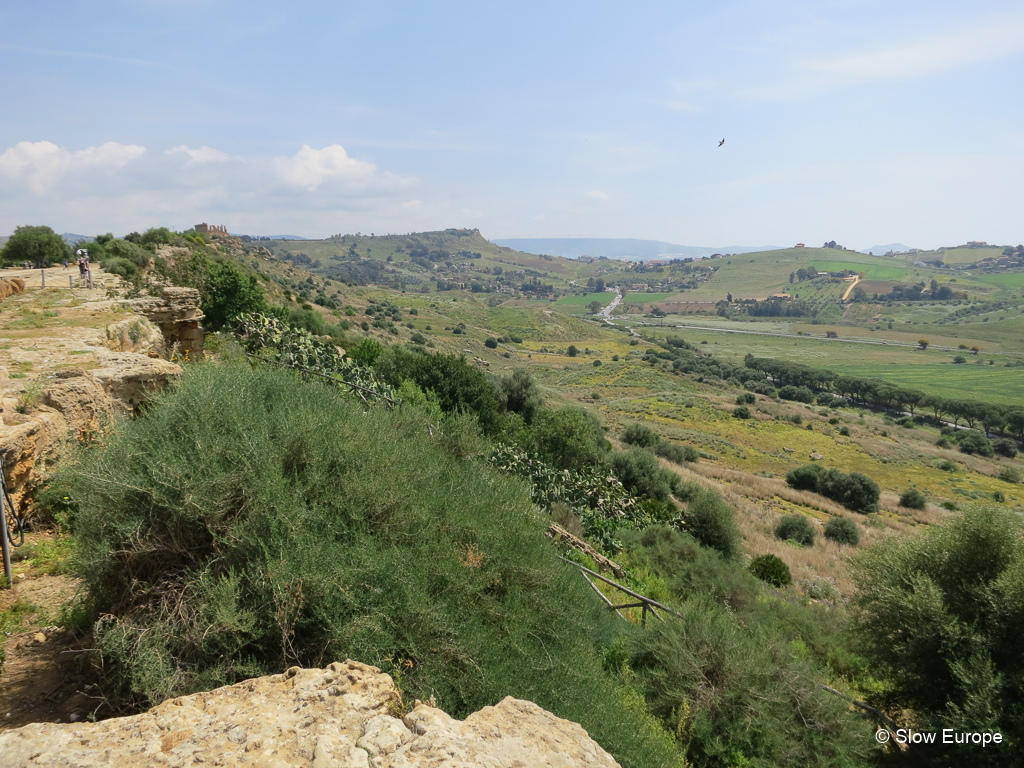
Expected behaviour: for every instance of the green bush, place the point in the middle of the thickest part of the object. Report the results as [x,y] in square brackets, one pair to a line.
[257,522]
[676,453]
[795,528]
[741,412]
[941,615]
[854,491]
[972,441]
[1005,447]
[844,431]
[122,267]
[771,570]
[640,435]
[366,352]
[913,499]
[122,249]
[491,343]
[842,530]
[418,338]
[747,398]
[1009,475]
[639,471]
[712,522]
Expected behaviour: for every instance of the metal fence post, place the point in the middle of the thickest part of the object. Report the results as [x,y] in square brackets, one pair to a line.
[3,532]
[71,282]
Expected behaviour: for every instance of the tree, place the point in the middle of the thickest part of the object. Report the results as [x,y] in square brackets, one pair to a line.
[923,343]
[594,307]
[568,438]
[521,394]
[229,292]
[491,342]
[913,499]
[571,351]
[39,245]
[941,617]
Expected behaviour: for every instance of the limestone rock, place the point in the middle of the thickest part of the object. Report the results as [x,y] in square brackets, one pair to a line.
[80,400]
[336,717]
[815,456]
[177,313]
[136,334]
[129,378]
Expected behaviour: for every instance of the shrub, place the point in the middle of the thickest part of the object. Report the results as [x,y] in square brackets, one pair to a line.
[998,496]
[771,570]
[1005,447]
[844,431]
[572,351]
[741,412]
[366,352]
[1009,475]
[122,249]
[795,528]
[842,530]
[761,387]
[640,435]
[972,441]
[712,522]
[797,394]
[491,342]
[805,478]
[257,558]
[639,471]
[418,338]
[122,267]
[940,619]
[747,398]
[676,453]
[913,499]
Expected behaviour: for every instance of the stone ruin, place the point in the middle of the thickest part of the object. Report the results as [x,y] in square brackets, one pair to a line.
[210,229]
[177,314]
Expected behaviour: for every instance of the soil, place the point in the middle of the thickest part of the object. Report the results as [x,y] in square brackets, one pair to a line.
[47,676]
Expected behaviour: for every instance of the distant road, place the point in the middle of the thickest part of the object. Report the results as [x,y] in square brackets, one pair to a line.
[817,338]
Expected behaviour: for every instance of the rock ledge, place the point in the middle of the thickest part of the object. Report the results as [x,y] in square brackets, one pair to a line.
[336,717]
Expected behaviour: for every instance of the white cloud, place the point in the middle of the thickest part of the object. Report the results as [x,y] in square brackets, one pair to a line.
[201,155]
[596,194]
[309,168]
[903,60]
[124,187]
[41,165]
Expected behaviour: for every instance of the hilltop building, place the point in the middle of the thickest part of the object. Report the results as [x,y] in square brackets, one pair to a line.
[210,229]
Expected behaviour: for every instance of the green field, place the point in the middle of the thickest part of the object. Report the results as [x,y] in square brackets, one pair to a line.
[870,271]
[647,298]
[576,303]
[1009,280]
[983,382]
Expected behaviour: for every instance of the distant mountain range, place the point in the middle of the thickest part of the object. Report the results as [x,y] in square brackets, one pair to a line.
[72,239]
[613,248]
[881,250]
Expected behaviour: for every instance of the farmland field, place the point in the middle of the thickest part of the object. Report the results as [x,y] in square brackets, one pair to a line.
[576,303]
[646,298]
[871,271]
[1003,280]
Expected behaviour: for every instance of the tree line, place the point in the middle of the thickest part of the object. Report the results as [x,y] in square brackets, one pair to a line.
[995,417]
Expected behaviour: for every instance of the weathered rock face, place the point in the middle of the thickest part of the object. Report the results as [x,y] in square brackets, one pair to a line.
[136,334]
[321,718]
[80,400]
[177,314]
[128,378]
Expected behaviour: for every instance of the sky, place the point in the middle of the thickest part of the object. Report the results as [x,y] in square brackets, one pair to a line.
[857,121]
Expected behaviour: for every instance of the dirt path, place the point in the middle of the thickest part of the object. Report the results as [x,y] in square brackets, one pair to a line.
[44,674]
[852,286]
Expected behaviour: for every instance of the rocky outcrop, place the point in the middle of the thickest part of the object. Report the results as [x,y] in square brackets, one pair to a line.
[176,312]
[10,286]
[75,405]
[136,334]
[338,717]
[129,378]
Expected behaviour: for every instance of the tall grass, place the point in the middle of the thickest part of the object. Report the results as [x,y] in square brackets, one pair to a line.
[248,522]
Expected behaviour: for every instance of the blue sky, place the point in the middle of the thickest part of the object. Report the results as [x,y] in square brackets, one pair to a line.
[863,122]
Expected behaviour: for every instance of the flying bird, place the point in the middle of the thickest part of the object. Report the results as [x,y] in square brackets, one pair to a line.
[721,142]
